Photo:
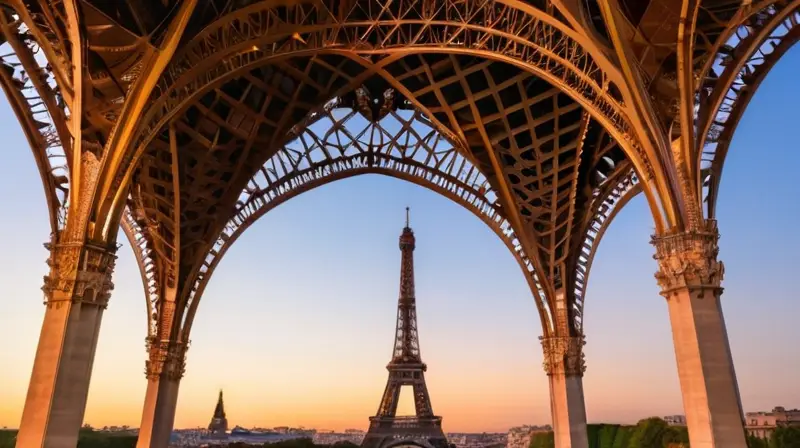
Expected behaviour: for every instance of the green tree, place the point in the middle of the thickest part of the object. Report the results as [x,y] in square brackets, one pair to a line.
[756,442]
[543,440]
[7,438]
[607,435]
[785,437]
[675,436]
[622,437]
[649,433]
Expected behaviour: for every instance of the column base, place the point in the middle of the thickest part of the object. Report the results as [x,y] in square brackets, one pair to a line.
[56,400]
[708,382]
[568,411]
[158,416]
[690,277]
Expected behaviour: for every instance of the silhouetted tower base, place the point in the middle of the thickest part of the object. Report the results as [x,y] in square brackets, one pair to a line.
[424,429]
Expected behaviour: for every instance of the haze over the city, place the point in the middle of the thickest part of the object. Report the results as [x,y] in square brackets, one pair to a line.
[297,323]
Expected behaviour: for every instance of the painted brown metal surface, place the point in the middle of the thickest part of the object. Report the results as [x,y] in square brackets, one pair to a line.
[240,81]
[184,122]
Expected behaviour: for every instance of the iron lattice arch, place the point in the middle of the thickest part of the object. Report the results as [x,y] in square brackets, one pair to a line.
[516,88]
[743,55]
[536,144]
[34,94]
[239,82]
[386,134]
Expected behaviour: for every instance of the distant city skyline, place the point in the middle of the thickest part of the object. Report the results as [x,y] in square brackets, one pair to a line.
[297,322]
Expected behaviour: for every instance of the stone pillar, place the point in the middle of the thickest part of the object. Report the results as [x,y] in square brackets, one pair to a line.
[690,277]
[77,291]
[164,371]
[564,364]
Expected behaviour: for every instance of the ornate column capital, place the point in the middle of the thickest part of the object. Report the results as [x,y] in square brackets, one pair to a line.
[79,273]
[167,358]
[563,355]
[688,260]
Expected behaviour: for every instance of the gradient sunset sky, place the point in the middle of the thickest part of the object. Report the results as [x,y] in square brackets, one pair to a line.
[297,323]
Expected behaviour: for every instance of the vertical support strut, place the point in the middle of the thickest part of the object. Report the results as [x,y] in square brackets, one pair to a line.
[77,291]
[565,365]
[690,278]
[164,371]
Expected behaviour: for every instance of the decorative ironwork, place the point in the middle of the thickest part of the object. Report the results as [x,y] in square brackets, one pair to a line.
[167,360]
[79,273]
[254,35]
[741,63]
[563,355]
[148,268]
[606,203]
[405,369]
[340,142]
[35,96]
[688,260]
[200,117]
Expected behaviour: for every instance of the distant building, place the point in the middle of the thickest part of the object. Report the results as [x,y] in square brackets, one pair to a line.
[219,423]
[762,424]
[675,420]
[520,436]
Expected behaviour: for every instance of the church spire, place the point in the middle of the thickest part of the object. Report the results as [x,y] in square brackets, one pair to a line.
[219,411]
[219,422]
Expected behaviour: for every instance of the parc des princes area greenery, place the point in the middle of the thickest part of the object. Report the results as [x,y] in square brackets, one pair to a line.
[648,433]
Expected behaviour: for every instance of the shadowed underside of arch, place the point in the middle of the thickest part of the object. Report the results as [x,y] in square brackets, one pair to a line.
[340,142]
[375,38]
[543,156]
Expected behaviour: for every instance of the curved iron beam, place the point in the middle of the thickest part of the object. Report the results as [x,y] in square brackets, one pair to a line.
[607,203]
[745,13]
[43,27]
[764,47]
[148,268]
[27,84]
[250,39]
[412,154]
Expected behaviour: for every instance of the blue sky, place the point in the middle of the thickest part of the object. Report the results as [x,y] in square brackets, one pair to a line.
[297,323]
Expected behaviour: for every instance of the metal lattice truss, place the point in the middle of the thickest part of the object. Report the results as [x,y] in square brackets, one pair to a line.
[260,34]
[340,142]
[398,140]
[539,117]
[34,94]
[146,259]
[746,54]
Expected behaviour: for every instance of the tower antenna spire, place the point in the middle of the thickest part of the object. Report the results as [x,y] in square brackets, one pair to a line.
[407,216]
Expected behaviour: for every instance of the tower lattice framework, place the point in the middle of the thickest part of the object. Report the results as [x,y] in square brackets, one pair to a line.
[406,369]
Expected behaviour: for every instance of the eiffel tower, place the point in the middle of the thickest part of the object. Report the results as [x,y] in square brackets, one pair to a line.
[406,368]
